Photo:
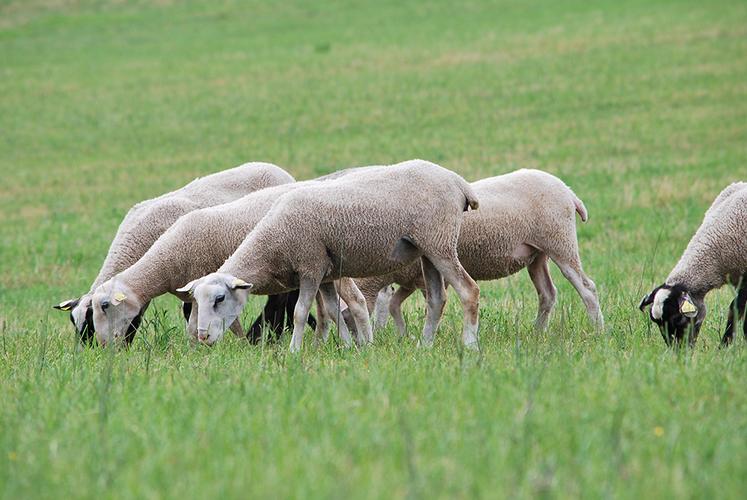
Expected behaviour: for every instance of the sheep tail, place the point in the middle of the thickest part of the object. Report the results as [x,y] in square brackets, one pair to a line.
[472,201]
[580,208]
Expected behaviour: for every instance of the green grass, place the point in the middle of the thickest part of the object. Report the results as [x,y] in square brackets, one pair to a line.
[641,107]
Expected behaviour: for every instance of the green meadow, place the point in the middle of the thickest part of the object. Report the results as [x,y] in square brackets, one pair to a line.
[640,106]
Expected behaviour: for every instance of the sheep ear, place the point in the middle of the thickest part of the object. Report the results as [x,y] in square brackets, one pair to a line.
[67,305]
[687,308]
[647,300]
[238,283]
[118,298]
[188,287]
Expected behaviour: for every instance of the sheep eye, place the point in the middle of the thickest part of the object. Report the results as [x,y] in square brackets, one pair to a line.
[219,299]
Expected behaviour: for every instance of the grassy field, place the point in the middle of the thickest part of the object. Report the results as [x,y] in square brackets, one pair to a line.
[640,106]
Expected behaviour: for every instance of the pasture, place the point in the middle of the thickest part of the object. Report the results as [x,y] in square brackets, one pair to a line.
[641,107]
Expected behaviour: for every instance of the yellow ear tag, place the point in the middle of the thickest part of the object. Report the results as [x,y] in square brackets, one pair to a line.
[64,306]
[119,297]
[688,308]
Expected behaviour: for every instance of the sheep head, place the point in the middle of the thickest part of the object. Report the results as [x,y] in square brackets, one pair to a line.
[117,313]
[676,312]
[217,301]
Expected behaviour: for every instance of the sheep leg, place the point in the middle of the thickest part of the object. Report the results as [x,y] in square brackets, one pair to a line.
[435,299]
[306,293]
[395,309]
[357,308]
[736,314]
[237,329]
[573,272]
[273,313]
[332,309]
[380,313]
[321,331]
[290,305]
[539,272]
[467,290]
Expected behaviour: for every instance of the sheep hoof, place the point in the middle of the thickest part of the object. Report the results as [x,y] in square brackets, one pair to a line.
[472,346]
[425,344]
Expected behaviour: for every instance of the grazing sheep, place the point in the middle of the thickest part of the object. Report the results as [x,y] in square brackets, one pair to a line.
[368,223]
[525,218]
[196,244]
[716,255]
[148,220]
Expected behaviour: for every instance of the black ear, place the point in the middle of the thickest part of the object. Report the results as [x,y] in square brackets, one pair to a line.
[67,305]
[648,299]
[86,333]
[186,310]
[134,325]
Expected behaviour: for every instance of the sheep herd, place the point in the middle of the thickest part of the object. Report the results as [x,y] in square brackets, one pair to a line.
[346,238]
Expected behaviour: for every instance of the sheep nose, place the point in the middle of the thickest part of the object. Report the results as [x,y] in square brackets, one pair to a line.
[202,335]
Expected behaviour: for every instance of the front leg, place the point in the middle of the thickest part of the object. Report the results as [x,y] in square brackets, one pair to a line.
[395,309]
[306,293]
[736,314]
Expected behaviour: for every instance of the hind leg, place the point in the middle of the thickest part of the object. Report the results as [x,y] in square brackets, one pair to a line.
[435,300]
[395,308]
[736,314]
[467,290]
[323,323]
[332,309]
[539,273]
[356,303]
[573,272]
[380,313]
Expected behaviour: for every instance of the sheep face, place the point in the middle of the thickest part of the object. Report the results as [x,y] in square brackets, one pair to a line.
[677,314]
[81,316]
[217,301]
[117,314]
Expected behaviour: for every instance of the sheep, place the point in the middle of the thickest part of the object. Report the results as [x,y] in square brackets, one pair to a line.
[526,217]
[147,220]
[367,223]
[716,255]
[196,244]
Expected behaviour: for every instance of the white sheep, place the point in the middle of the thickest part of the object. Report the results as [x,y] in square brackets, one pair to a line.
[147,220]
[525,218]
[195,245]
[716,255]
[368,223]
